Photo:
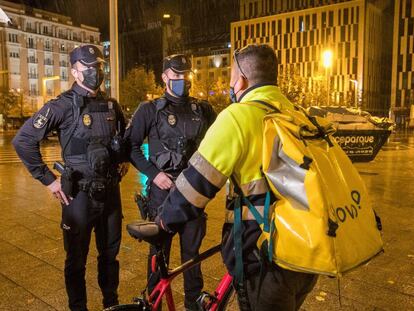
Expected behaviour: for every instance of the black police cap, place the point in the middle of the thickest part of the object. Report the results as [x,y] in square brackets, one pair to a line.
[88,55]
[179,63]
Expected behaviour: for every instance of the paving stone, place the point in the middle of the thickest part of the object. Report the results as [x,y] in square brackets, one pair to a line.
[32,254]
[19,299]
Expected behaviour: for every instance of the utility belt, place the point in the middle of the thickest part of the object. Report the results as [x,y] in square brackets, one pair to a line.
[96,187]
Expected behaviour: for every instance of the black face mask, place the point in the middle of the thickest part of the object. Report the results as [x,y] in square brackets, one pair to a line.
[92,78]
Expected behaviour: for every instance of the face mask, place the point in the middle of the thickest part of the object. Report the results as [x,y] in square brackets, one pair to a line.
[92,78]
[232,95]
[180,87]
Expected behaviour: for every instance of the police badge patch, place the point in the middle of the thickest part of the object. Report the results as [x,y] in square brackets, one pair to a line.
[87,120]
[172,120]
[40,120]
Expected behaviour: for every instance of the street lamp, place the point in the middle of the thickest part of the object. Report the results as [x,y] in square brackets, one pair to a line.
[44,80]
[20,92]
[113,52]
[327,57]
[356,91]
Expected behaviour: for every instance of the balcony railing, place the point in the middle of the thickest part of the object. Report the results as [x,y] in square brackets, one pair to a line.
[48,62]
[31,46]
[64,78]
[32,76]
[63,63]
[63,51]
[62,36]
[32,60]
[32,30]
[48,48]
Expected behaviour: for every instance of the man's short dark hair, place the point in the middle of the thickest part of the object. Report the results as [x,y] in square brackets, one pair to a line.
[258,63]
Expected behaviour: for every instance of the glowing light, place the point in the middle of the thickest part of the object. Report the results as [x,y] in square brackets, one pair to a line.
[141,178]
[327,56]
[217,61]
[166,16]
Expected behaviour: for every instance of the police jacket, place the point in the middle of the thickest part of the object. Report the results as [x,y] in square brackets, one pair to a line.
[79,119]
[232,147]
[174,128]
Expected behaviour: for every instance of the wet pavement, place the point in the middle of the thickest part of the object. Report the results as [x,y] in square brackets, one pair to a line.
[32,255]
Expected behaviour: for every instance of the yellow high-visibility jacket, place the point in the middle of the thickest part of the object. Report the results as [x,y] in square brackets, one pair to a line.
[231,147]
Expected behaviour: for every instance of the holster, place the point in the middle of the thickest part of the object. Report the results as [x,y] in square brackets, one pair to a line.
[67,182]
[97,191]
[142,204]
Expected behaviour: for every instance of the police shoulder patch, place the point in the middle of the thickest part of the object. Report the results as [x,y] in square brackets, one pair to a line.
[40,120]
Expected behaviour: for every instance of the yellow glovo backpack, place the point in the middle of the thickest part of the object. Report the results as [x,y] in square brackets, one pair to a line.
[322,221]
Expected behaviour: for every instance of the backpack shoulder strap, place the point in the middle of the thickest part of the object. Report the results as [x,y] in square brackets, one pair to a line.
[272,108]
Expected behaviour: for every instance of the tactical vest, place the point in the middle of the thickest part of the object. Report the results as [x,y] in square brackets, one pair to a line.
[95,124]
[179,130]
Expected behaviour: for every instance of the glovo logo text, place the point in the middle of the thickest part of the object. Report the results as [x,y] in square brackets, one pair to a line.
[349,211]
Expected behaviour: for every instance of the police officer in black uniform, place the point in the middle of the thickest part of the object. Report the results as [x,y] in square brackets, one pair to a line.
[174,125]
[90,128]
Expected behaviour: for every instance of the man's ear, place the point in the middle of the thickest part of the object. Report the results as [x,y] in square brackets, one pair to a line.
[75,74]
[164,78]
[244,83]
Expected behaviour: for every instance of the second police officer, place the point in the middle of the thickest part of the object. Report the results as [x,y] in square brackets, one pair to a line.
[89,127]
[174,124]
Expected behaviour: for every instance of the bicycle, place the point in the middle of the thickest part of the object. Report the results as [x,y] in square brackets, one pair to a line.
[150,233]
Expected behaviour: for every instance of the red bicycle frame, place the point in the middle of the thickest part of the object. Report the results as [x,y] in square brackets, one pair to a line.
[163,288]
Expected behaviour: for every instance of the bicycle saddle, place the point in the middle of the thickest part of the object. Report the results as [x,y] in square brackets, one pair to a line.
[148,231]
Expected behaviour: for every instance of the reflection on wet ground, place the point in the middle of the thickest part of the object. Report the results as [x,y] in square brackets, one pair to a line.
[51,152]
[32,254]
[399,141]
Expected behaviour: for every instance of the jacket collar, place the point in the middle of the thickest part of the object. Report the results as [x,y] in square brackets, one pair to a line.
[83,92]
[268,93]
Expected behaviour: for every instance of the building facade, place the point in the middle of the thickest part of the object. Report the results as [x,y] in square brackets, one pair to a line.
[350,30]
[107,67]
[210,66]
[258,8]
[402,90]
[206,37]
[149,31]
[34,47]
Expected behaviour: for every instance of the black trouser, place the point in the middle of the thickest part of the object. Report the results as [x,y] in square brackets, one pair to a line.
[191,236]
[279,289]
[79,218]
